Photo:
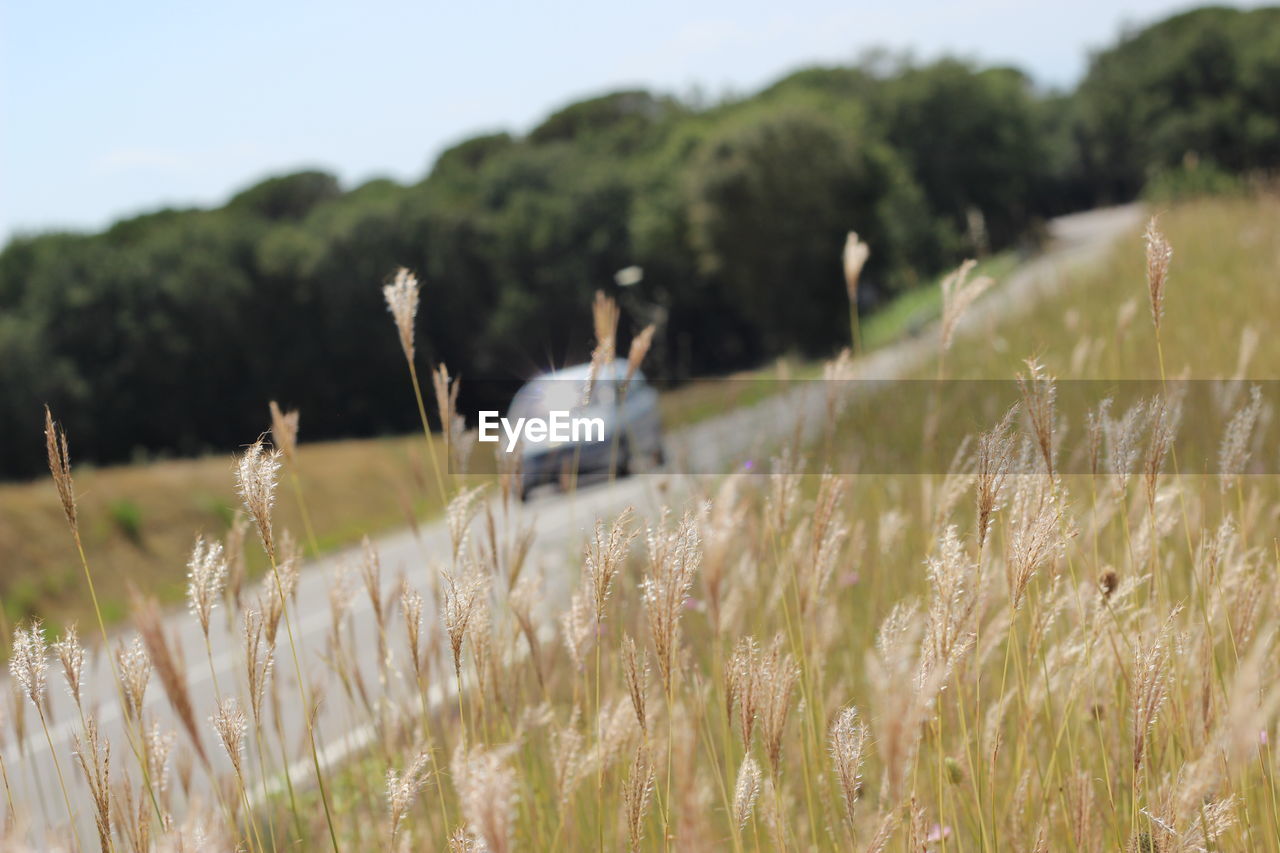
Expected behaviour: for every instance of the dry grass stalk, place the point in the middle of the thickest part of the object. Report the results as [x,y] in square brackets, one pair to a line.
[1039,394]
[635,668]
[604,557]
[848,745]
[674,557]
[402,301]
[777,677]
[746,791]
[640,346]
[231,726]
[958,293]
[1233,455]
[604,318]
[94,757]
[487,794]
[55,440]
[854,258]
[206,575]
[172,675]
[1150,688]
[1159,255]
[135,673]
[995,458]
[462,597]
[256,473]
[284,431]
[403,789]
[259,660]
[637,793]
[72,656]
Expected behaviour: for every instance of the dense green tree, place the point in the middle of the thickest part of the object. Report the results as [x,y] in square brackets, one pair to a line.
[1203,85]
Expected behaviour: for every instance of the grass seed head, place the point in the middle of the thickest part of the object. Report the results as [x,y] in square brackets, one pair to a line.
[402,301]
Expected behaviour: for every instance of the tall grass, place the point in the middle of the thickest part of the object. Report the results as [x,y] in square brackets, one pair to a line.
[1004,657]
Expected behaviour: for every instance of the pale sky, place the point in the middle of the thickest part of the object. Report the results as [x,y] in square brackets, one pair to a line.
[114,108]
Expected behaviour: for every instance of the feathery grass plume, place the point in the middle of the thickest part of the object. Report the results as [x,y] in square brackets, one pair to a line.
[233,548]
[284,431]
[146,614]
[836,374]
[411,610]
[995,457]
[71,654]
[640,345]
[446,393]
[635,668]
[1035,534]
[206,575]
[1095,431]
[1123,439]
[29,662]
[132,817]
[742,688]
[674,557]
[1233,455]
[827,534]
[958,293]
[256,473]
[462,595]
[1039,393]
[458,516]
[604,318]
[636,794]
[259,659]
[1150,686]
[848,745]
[745,791]
[158,746]
[94,757]
[1159,254]
[371,574]
[950,626]
[231,726]
[135,674]
[521,601]
[1166,414]
[403,789]
[604,557]
[853,258]
[55,440]
[487,794]
[402,301]
[578,628]
[778,674]
[569,761]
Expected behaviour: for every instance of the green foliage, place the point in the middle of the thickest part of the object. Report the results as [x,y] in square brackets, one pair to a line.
[126,515]
[1205,83]
[1190,181]
[169,332]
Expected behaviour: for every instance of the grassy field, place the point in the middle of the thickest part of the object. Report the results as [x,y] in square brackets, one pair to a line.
[140,520]
[996,657]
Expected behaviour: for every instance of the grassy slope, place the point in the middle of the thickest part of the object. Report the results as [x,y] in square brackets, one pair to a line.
[1220,247]
[1223,280]
[169,502]
[140,519]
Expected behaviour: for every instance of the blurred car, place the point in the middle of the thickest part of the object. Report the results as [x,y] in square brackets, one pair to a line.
[628,409]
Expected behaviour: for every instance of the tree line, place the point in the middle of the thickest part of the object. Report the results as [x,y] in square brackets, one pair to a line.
[169,332]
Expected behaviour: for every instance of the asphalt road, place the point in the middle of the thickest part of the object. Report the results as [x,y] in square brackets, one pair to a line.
[560,522]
